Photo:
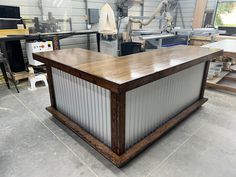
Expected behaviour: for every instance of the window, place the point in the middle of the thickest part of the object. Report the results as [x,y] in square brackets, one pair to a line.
[226,14]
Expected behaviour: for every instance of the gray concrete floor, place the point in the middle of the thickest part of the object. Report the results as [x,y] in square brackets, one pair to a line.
[34,144]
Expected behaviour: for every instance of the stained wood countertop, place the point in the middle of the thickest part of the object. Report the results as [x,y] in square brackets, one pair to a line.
[127,72]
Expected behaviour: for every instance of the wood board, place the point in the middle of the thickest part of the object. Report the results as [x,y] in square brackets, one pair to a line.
[6,32]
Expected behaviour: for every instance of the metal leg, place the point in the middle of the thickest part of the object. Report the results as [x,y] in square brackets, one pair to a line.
[7,66]
[14,82]
[12,77]
[159,45]
[4,74]
[56,43]
[98,41]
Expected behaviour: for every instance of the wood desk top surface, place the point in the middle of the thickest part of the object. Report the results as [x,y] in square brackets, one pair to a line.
[128,69]
[228,45]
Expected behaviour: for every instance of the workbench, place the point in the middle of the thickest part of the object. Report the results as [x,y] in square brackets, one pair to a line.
[229,47]
[121,105]
[55,37]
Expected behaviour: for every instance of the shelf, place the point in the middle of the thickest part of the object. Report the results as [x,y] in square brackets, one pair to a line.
[19,75]
[215,80]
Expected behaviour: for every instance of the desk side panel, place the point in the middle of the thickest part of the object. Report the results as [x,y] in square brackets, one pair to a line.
[85,103]
[150,106]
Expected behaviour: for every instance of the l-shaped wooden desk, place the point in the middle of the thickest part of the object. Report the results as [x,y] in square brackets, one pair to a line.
[121,105]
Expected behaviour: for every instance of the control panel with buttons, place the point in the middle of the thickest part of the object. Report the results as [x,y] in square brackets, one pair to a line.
[35,47]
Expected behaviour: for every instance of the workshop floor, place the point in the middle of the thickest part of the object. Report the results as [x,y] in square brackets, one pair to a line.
[34,144]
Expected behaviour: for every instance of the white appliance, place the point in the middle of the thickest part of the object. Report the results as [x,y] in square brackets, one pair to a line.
[34,47]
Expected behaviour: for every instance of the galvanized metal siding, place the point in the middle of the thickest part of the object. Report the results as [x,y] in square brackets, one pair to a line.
[85,103]
[188,8]
[150,106]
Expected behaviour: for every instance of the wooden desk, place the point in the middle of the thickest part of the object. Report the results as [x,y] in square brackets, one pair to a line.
[229,47]
[122,105]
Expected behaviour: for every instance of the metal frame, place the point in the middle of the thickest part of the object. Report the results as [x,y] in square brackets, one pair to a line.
[4,66]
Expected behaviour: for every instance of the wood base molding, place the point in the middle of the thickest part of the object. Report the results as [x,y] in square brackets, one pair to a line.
[120,160]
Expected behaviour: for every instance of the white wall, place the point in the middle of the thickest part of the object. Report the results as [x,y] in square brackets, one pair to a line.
[76,10]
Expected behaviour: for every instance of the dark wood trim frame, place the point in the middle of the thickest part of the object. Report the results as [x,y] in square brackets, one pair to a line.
[164,73]
[118,123]
[90,139]
[51,86]
[120,160]
[204,79]
[80,74]
[222,87]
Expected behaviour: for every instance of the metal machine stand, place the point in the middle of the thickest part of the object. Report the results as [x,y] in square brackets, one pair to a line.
[5,67]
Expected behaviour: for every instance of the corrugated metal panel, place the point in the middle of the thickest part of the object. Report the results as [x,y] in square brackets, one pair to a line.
[187,8]
[149,106]
[85,103]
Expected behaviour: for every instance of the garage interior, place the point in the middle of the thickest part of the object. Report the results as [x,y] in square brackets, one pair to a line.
[117,88]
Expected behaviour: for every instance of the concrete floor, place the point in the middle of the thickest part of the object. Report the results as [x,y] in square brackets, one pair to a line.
[34,144]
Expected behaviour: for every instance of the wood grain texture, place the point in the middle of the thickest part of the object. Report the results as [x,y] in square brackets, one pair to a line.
[118,123]
[71,57]
[51,86]
[120,74]
[6,32]
[222,87]
[217,79]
